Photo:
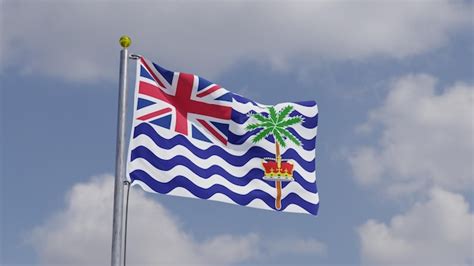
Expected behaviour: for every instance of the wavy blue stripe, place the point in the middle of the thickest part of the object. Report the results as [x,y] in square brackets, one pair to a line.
[309,145]
[166,165]
[254,151]
[243,100]
[307,103]
[181,181]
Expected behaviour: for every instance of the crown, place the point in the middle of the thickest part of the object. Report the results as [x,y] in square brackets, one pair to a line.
[273,172]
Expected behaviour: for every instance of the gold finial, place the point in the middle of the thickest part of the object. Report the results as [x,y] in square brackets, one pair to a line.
[125,41]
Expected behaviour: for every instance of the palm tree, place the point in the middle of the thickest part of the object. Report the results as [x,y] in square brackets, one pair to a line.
[276,124]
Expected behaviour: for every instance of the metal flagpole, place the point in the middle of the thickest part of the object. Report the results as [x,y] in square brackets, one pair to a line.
[117,227]
[125,221]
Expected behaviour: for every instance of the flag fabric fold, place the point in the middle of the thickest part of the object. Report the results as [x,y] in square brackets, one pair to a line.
[192,138]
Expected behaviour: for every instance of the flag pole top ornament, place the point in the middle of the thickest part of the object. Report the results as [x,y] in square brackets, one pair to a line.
[125,41]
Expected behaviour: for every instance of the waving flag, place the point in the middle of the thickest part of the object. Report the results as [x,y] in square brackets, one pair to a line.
[192,138]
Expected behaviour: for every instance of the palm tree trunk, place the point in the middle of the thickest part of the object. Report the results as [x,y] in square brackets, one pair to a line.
[278,197]
[278,182]
[277,154]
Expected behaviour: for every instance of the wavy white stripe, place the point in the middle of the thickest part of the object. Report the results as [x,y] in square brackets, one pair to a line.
[295,209]
[306,133]
[259,104]
[308,155]
[235,150]
[256,203]
[238,171]
[247,107]
[167,176]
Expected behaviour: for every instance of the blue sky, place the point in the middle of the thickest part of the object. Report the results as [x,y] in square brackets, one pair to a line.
[394,84]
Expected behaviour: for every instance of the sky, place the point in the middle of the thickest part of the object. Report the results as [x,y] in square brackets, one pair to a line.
[394,82]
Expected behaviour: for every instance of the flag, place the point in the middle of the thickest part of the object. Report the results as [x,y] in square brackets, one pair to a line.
[193,138]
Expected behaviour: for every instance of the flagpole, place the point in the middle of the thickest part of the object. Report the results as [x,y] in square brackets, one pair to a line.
[117,226]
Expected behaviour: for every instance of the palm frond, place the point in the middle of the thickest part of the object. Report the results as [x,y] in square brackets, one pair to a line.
[261,118]
[253,126]
[262,134]
[259,125]
[290,122]
[284,112]
[279,138]
[290,136]
[273,114]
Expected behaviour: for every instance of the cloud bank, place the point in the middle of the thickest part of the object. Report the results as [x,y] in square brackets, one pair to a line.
[435,232]
[80,234]
[426,139]
[77,40]
[423,151]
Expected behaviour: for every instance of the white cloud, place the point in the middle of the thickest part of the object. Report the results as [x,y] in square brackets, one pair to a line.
[426,139]
[80,234]
[436,232]
[77,40]
[423,139]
